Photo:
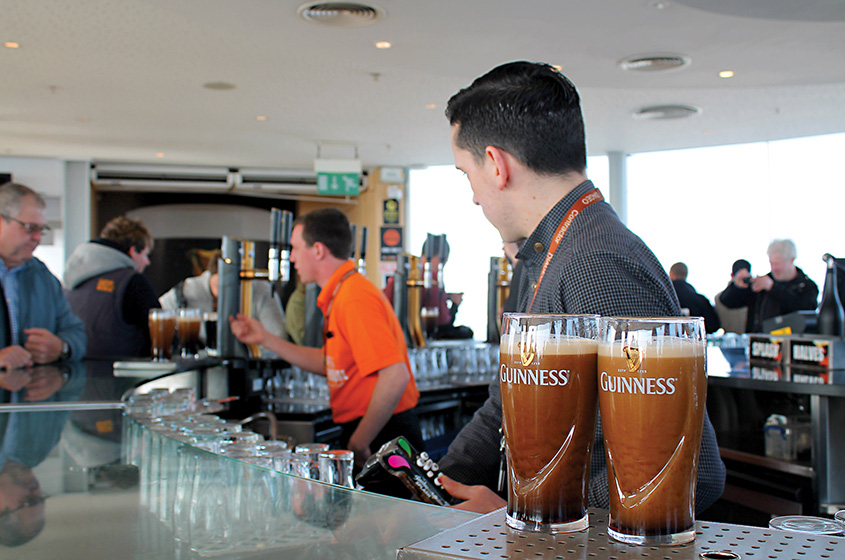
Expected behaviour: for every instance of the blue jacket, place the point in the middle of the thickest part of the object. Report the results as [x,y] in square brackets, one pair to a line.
[42,304]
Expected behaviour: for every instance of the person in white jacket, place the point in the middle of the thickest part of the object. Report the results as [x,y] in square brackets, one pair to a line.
[200,292]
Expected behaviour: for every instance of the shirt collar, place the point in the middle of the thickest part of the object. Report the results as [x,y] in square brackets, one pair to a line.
[328,290]
[537,244]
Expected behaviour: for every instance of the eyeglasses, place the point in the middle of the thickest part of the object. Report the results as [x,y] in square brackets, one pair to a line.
[29,228]
[29,502]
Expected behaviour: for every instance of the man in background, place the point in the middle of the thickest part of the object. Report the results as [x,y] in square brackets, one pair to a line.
[109,292]
[371,390]
[733,320]
[783,290]
[37,324]
[696,304]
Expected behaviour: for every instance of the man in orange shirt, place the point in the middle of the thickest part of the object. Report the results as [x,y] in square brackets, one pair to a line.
[364,357]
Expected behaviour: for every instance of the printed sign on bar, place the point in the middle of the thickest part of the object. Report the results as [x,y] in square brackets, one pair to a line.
[391,242]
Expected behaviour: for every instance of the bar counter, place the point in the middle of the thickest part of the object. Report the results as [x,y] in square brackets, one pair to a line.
[71,439]
[69,443]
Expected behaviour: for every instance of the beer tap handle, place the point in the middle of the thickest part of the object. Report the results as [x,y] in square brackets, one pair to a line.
[285,230]
[362,259]
[364,230]
[429,254]
[274,254]
[354,240]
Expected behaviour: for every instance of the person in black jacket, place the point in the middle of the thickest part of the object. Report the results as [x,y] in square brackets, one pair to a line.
[783,290]
[695,303]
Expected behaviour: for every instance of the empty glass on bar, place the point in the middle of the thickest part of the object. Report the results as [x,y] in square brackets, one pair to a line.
[336,467]
[652,397]
[547,376]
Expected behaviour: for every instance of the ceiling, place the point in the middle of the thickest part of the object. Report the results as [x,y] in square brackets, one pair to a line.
[122,80]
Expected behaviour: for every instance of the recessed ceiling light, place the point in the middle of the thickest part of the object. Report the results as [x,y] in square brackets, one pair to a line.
[655,62]
[218,86]
[261,118]
[340,14]
[663,112]
[726,74]
[159,154]
[11,45]
[557,67]
[430,106]
[383,45]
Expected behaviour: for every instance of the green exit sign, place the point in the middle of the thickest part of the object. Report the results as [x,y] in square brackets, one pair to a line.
[338,184]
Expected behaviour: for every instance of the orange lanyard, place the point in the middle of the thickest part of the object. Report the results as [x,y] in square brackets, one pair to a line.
[589,198]
[327,334]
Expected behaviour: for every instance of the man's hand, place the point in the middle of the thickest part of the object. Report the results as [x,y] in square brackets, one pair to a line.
[742,278]
[762,284]
[44,346]
[479,499]
[14,379]
[13,357]
[44,382]
[248,330]
[360,448]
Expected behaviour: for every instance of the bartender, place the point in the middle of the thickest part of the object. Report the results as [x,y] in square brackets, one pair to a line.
[371,389]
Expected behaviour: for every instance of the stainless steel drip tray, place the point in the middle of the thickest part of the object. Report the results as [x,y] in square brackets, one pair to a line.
[488,537]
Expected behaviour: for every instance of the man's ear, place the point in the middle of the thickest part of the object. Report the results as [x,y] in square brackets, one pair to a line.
[133,252]
[320,250]
[500,162]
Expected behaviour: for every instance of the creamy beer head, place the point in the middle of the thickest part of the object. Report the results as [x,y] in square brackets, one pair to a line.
[548,387]
[652,394]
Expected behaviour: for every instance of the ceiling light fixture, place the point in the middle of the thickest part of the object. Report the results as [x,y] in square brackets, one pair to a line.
[666,112]
[383,44]
[11,45]
[218,86]
[340,14]
[430,106]
[261,118]
[655,62]
[159,154]
[726,74]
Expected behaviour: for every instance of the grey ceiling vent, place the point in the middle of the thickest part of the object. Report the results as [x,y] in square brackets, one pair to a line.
[663,112]
[655,62]
[340,14]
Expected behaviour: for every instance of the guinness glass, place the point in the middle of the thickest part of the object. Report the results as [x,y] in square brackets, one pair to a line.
[547,375]
[652,395]
[162,324]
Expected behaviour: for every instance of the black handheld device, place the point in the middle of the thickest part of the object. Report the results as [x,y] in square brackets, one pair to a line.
[398,458]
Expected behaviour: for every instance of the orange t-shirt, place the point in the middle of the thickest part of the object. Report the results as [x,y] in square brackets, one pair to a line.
[365,337]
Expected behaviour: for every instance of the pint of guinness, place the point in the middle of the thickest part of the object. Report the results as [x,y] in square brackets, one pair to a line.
[547,375]
[652,380]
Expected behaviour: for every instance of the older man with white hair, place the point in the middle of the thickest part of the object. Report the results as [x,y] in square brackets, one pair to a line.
[783,290]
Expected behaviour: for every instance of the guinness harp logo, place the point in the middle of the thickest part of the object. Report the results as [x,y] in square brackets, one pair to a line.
[527,351]
[633,357]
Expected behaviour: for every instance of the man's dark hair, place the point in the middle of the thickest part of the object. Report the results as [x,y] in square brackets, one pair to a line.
[330,227]
[126,232]
[679,270]
[527,109]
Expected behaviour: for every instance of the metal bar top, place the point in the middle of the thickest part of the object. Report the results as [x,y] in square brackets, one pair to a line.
[489,537]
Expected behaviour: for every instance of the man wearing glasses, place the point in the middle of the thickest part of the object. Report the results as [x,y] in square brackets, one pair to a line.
[37,325]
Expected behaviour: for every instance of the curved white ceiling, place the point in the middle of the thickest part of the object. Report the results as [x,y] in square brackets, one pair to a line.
[123,79]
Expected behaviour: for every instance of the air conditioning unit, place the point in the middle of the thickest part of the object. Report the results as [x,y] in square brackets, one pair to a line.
[268,182]
[161,178]
[280,182]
